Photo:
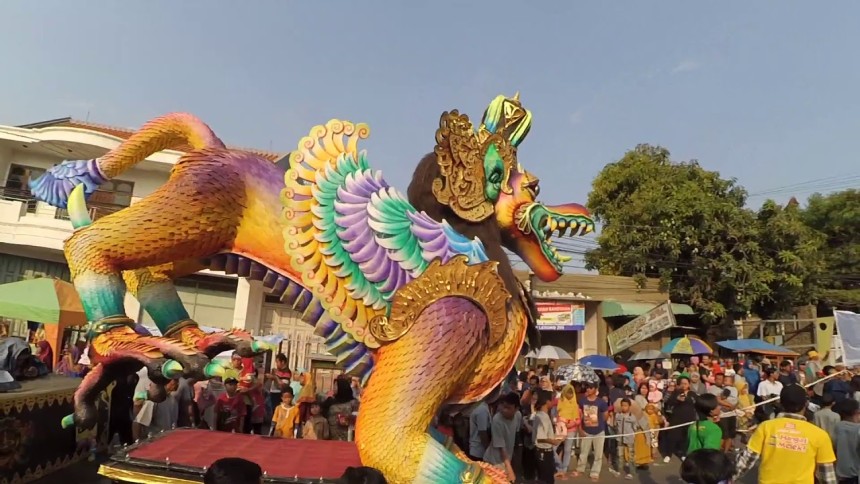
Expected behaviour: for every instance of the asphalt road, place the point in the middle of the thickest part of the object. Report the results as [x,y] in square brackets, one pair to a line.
[86,473]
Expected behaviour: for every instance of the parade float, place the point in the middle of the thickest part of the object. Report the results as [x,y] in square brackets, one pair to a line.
[413,293]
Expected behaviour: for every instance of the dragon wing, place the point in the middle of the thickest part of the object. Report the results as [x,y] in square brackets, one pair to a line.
[355,240]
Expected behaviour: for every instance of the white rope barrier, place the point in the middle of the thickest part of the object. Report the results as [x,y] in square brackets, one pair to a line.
[686,424]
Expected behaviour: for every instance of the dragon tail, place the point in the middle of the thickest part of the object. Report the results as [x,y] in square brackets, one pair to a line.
[176,130]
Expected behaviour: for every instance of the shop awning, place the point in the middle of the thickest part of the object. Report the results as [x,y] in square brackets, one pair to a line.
[617,308]
[756,346]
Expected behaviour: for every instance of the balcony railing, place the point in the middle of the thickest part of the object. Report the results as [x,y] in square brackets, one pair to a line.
[96,209]
[19,195]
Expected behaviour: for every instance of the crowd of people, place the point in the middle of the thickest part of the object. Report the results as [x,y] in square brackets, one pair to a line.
[553,429]
[246,399]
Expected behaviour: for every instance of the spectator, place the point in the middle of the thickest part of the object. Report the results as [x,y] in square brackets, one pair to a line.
[230,408]
[791,449]
[727,397]
[680,409]
[285,420]
[592,430]
[277,381]
[529,450]
[339,410]
[707,466]
[837,386]
[697,386]
[362,475]
[767,389]
[165,415]
[479,431]
[705,433]
[814,371]
[316,428]
[569,416]
[505,424]
[847,442]
[233,470]
[826,419]
[625,424]
[786,376]
[545,439]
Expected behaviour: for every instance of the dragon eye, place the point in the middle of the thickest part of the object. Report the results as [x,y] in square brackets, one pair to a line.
[533,189]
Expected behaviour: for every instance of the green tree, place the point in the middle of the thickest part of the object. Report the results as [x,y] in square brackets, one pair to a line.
[795,251]
[689,227]
[837,217]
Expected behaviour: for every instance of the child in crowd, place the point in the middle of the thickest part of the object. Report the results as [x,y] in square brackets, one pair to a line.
[707,466]
[285,420]
[316,428]
[705,433]
[655,423]
[626,423]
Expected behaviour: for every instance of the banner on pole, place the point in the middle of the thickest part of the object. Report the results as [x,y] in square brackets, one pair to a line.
[642,327]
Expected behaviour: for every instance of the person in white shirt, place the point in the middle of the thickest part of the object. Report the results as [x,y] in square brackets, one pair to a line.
[769,388]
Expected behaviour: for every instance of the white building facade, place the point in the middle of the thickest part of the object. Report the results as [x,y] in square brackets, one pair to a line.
[32,232]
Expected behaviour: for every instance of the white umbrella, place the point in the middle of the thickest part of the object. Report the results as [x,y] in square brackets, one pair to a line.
[550,352]
[649,355]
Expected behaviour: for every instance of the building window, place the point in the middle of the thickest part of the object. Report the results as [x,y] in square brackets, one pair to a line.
[17,186]
[112,196]
[114,192]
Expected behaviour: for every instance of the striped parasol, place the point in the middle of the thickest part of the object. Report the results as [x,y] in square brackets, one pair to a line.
[687,345]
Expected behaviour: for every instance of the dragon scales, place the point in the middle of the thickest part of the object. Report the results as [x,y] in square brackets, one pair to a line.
[413,293]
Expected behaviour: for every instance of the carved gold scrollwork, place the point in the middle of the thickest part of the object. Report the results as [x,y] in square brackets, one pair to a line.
[480,283]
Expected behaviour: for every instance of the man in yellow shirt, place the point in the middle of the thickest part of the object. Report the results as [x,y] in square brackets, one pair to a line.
[790,449]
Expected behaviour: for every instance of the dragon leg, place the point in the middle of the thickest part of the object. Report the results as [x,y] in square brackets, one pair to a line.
[414,376]
[134,239]
[154,288]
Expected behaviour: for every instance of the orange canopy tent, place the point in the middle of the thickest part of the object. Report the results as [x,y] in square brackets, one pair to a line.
[53,302]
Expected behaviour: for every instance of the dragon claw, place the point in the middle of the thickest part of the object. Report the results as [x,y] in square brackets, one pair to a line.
[171,369]
[214,369]
[68,421]
[262,346]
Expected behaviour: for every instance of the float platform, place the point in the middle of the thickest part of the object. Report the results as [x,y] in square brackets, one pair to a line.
[181,456]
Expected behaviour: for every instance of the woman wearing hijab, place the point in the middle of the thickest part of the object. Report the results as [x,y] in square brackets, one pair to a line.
[339,409]
[696,385]
[568,414]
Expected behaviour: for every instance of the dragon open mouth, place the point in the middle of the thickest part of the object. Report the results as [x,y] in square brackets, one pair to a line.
[544,222]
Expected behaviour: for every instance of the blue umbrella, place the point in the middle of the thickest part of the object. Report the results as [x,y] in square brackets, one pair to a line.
[598,362]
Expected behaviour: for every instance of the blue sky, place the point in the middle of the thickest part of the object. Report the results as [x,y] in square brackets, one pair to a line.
[766,92]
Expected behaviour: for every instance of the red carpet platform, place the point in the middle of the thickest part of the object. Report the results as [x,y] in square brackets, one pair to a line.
[182,454]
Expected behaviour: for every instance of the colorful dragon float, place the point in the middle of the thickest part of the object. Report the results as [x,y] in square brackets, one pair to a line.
[414,293]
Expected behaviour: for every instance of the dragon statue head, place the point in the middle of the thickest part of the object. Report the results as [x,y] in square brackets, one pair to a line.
[480,180]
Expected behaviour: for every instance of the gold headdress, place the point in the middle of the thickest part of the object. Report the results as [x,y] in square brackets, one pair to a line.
[460,153]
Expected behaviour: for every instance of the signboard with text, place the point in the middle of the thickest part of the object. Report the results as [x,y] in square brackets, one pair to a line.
[560,316]
[641,328]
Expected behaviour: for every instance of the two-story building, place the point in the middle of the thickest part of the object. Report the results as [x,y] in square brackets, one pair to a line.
[32,232]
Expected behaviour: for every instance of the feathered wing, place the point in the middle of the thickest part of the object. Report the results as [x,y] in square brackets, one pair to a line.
[354,239]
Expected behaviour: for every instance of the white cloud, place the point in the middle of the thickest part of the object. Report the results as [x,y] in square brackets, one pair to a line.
[686,66]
